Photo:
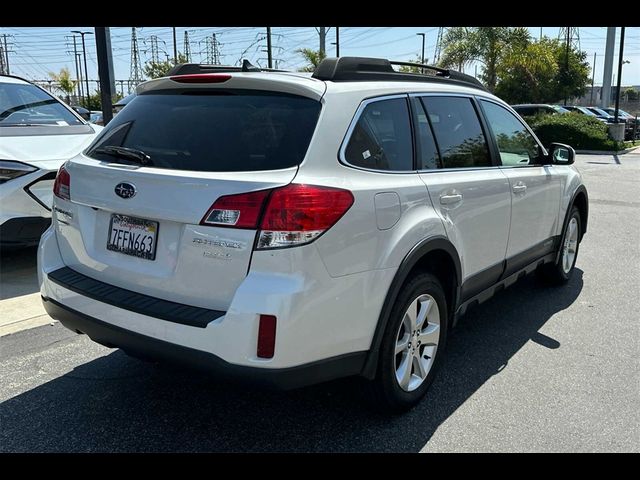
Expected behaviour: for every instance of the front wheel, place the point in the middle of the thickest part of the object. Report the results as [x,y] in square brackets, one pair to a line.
[413,344]
[558,273]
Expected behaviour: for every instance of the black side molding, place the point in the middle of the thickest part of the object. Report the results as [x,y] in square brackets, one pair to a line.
[132,301]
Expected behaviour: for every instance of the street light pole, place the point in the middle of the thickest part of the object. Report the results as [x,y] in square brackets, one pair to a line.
[422,57]
[620,62]
[84,54]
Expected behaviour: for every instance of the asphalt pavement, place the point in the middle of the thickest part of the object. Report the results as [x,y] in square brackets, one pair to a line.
[535,368]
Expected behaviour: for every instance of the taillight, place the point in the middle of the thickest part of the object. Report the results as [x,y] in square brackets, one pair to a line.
[292,215]
[201,78]
[239,211]
[62,184]
[298,214]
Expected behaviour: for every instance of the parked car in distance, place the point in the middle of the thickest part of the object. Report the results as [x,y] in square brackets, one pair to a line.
[602,114]
[292,229]
[96,117]
[38,133]
[584,111]
[530,109]
[120,104]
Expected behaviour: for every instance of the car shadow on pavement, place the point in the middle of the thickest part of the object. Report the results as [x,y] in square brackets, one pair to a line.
[115,403]
[18,274]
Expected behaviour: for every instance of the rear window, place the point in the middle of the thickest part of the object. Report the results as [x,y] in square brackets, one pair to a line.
[221,131]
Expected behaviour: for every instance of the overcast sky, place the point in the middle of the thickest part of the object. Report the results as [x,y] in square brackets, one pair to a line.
[34,52]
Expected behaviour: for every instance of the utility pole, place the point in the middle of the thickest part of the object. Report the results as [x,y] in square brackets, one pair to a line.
[323,39]
[4,53]
[105,72]
[175,47]
[155,57]
[593,76]
[187,46]
[620,62]
[608,67]
[80,77]
[269,55]
[540,34]
[216,49]
[436,54]
[338,42]
[75,57]
[135,73]
[84,54]
[566,65]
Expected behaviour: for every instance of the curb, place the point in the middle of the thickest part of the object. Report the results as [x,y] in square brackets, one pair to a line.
[607,152]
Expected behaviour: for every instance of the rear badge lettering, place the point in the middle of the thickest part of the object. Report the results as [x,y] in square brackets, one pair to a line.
[217,243]
[219,256]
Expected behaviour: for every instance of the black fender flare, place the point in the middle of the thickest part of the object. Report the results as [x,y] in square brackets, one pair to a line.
[410,260]
[581,189]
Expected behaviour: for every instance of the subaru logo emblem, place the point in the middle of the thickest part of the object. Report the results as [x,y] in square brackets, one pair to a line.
[125,190]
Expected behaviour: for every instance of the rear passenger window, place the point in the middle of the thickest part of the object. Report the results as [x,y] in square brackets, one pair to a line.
[458,132]
[381,139]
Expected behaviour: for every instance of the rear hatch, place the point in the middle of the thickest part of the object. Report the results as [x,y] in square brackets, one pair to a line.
[141,195]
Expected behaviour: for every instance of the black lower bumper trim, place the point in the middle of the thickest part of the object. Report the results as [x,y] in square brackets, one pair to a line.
[283,378]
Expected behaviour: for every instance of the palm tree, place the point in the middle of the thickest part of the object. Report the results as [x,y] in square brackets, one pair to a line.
[463,45]
[313,58]
[65,84]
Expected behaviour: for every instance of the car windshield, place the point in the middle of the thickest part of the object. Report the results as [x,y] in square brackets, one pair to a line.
[559,109]
[28,105]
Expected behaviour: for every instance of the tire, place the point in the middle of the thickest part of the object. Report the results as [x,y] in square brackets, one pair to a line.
[391,390]
[561,272]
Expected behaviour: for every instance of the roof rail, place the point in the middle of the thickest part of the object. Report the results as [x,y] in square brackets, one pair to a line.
[345,69]
[193,68]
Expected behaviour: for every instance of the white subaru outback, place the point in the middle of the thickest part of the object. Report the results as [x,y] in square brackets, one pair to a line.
[291,229]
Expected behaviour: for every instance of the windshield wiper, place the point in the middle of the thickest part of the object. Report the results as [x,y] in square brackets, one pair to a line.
[137,156]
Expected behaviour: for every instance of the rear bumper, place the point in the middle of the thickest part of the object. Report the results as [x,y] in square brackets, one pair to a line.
[281,378]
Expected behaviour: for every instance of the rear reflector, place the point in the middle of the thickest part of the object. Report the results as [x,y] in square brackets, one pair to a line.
[62,184]
[266,336]
[239,211]
[201,78]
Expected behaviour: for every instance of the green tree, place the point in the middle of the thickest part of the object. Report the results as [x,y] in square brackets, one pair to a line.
[160,69]
[527,73]
[486,45]
[572,78]
[631,94]
[412,69]
[64,82]
[312,57]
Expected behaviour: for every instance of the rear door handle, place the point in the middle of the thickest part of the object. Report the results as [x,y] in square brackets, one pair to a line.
[450,199]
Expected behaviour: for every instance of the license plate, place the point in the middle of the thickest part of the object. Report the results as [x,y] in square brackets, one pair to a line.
[132,236]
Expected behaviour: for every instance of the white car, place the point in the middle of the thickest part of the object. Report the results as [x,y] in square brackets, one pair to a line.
[293,229]
[38,133]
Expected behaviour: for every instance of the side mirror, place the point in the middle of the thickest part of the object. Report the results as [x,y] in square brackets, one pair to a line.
[83,112]
[561,154]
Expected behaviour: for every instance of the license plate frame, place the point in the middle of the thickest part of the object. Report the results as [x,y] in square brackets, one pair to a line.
[141,223]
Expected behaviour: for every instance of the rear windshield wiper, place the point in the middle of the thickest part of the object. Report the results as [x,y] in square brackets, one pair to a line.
[137,156]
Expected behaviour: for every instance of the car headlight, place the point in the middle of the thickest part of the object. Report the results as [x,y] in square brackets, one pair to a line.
[10,170]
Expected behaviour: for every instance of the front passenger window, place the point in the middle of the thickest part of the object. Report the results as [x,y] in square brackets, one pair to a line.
[458,132]
[381,139]
[516,145]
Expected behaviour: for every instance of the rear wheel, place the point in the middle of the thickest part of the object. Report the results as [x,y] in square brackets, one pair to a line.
[560,272]
[413,344]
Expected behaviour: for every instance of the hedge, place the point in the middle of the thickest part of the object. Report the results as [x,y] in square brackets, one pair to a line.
[582,132]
